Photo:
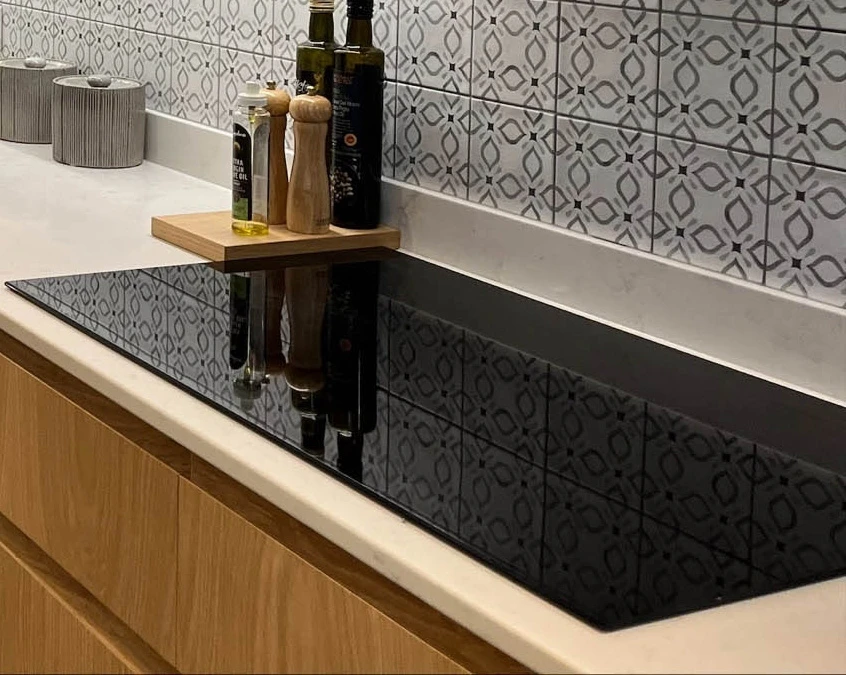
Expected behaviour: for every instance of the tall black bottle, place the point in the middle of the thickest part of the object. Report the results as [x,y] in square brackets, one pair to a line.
[357,102]
[351,359]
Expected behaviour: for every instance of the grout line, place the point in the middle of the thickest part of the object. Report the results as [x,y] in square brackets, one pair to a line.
[544,502]
[655,127]
[641,508]
[469,96]
[554,215]
[767,214]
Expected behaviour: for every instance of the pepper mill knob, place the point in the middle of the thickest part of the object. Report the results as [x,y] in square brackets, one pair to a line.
[309,206]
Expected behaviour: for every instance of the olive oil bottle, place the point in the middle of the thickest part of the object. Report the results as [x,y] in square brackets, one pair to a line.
[316,56]
[357,101]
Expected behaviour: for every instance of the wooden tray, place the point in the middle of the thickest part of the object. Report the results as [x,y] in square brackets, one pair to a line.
[210,235]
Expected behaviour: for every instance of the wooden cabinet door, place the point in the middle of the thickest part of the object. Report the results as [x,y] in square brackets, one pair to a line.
[248,604]
[101,507]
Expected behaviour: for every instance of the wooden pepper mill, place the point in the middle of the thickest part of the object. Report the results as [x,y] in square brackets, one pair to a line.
[306,291]
[278,102]
[309,207]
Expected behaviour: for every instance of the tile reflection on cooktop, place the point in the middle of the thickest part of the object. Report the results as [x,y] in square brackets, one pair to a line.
[544,448]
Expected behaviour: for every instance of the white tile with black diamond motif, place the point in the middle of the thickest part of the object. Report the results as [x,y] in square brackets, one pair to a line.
[36,29]
[194,94]
[716,81]
[284,73]
[10,37]
[828,14]
[291,28]
[197,20]
[604,182]
[385,13]
[110,51]
[74,8]
[247,25]
[237,68]
[69,42]
[515,51]
[432,137]
[810,97]
[755,11]
[116,12]
[152,16]
[435,49]
[608,64]
[511,159]
[151,64]
[710,207]
[806,248]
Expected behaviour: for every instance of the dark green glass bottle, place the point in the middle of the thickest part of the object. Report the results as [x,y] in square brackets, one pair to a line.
[357,100]
[315,56]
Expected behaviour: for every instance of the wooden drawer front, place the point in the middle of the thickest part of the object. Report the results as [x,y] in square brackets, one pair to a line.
[248,604]
[38,634]
[102,508]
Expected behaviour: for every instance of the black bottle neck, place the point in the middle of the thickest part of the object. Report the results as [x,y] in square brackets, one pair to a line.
[321,27]
[359,32]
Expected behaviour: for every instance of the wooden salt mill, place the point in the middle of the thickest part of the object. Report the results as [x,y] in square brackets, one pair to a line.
[309,207]
[278,102]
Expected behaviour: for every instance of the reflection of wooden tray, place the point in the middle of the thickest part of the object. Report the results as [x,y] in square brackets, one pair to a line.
[210,235]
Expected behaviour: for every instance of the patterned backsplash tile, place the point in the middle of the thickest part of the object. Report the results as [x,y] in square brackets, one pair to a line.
[711,132]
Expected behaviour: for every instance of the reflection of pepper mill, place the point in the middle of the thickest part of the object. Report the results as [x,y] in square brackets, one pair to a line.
[351,342]
[309,208]
[306,289]
[246,339]
[278,102]
[275,301]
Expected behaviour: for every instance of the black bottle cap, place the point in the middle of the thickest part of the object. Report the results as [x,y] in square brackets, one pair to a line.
[360,9]
[350,446]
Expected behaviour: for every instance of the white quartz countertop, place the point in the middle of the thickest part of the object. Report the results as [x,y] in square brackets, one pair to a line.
[58,220]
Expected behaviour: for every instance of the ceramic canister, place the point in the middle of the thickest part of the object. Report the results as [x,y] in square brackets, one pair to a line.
[25,97]
[98,121]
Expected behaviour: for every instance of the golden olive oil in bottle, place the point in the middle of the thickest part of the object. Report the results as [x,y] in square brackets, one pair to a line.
[250,166]
[357,100]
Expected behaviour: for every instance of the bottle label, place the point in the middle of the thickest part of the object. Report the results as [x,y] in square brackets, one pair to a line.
[357,145]
[242,174]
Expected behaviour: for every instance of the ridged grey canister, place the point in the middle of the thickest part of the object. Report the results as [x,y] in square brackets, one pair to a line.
[26,97]
[98,121]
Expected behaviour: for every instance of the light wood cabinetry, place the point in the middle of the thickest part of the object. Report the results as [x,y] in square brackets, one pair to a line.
[96,503]
[246,603]
[120,551]
[50,624]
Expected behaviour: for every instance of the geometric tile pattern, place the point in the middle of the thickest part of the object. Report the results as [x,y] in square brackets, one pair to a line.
[565,112]
[619,510]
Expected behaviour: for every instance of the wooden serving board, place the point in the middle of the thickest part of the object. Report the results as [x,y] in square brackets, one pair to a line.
[210,235]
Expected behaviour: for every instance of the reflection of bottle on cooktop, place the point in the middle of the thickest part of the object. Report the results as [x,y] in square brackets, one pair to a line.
[274,301]
[351,347]
[306,289]
[247,353]
[350,452]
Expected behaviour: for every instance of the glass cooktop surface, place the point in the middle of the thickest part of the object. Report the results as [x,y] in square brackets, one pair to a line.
[620,479]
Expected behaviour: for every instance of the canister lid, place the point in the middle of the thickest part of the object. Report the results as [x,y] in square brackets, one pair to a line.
[104,82]
[35,63]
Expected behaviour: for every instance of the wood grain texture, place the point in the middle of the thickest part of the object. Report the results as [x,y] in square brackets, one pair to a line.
[309,206]
[247,604]
[210,235]
[278,102]
[51,624]
[444,635]
[101,507]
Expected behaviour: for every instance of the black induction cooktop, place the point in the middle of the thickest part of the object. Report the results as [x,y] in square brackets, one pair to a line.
[620,479]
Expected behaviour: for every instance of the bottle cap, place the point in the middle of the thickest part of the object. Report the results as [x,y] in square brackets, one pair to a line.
[252,96]
[321,5]
[360,9]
